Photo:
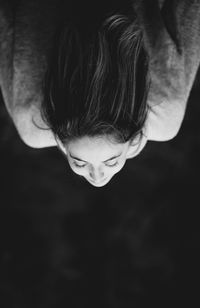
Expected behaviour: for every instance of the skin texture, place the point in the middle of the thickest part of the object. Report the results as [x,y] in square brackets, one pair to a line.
[98,159]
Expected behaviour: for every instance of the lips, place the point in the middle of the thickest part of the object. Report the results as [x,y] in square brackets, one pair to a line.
[98,183]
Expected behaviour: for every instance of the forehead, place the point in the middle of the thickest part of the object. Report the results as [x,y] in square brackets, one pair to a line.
[95,147]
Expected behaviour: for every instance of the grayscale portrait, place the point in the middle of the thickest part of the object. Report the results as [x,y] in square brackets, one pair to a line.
[99,117]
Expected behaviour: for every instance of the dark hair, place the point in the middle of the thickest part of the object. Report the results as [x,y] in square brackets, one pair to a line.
[97,81]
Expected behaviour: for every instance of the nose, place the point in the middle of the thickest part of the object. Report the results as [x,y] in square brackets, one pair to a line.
[96,174]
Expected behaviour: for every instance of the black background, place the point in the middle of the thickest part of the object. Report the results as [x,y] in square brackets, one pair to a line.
[132,243]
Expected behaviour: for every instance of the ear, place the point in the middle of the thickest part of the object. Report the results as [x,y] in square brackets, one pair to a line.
[136,146]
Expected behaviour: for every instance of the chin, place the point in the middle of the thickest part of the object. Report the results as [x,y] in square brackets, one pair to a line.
[99,184]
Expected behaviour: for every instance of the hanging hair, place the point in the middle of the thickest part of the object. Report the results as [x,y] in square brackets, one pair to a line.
[97,80]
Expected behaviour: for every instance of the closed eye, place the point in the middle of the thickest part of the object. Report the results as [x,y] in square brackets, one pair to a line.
[79,165]
[107,164]
[111,164]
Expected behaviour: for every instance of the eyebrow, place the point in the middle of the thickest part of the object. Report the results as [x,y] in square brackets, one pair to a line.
[105,161]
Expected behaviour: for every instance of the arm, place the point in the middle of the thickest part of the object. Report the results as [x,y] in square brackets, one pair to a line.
[21,72]
[172,38]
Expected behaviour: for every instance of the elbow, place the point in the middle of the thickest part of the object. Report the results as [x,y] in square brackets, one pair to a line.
[163,130]
[35,139]
[22,124]
[29,140]
[164,126]
[31,135]
[170,132]
[170,136]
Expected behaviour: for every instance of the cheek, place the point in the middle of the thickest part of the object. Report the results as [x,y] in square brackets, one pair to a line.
[79,171]
[115,170]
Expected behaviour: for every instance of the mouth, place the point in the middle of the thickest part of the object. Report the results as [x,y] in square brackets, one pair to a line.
[99,183]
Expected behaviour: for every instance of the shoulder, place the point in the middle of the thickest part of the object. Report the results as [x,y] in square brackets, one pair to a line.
[31,128]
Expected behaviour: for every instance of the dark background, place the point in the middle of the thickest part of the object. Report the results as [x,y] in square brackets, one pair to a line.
[132,243]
